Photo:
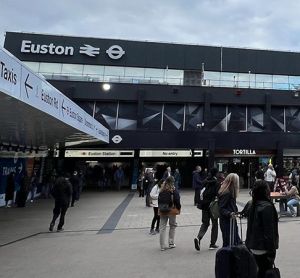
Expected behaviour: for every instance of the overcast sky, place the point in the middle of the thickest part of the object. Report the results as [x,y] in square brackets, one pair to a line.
[264,24]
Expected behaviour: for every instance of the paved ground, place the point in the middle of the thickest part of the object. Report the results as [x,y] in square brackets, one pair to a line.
[90,246]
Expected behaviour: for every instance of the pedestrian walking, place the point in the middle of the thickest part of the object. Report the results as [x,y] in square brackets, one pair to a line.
[177,179]
[61,192]
[119,177]
[33,185]
[75,182]
[270,176]
[167,173]
[169,199]
[154,203]
[198,178]
[208,194]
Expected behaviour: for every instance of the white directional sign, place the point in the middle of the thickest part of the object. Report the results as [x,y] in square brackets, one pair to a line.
[10,75]
[165,153]
[20,82]
[99,153]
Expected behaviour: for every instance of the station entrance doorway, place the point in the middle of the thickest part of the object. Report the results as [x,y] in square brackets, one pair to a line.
[245,167]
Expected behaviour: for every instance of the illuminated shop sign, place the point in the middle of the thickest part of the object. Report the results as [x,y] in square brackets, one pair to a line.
[114,52]
[244,152]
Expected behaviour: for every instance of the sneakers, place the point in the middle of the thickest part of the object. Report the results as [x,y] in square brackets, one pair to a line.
[294,214]
[157,231]
[197,243]
[163,249]
[172,245]
[59,230]
[51,227]
[213,246]
[152,232]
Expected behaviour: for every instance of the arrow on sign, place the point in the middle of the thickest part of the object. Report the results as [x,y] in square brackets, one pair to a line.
[62,107]
[27,85]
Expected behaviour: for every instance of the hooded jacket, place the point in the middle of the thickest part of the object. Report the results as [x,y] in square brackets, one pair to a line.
[262,229]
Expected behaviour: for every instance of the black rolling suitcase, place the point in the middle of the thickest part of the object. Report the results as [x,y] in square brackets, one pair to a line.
[235,261]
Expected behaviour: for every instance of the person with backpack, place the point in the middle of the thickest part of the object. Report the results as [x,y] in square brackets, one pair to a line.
[262,228]
[208,194]
[169,206]
[228,209]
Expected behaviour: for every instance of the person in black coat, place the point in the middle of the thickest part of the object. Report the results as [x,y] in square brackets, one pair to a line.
[228,209]
[10,189]
[198,178]
[262,229]
[75,182]
[61,192]
[207,195]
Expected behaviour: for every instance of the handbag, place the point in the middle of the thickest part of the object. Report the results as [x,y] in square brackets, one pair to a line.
[273,272]
[214,209]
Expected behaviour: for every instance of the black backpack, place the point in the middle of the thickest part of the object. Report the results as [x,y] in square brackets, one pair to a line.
[165,201]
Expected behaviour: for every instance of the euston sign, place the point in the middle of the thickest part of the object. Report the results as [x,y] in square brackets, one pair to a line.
[114,52]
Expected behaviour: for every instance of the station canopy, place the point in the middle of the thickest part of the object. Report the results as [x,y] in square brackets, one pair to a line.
[34,114]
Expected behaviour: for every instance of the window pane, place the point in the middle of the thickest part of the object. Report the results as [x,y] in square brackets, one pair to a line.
[93,70]
[292,115]
[135,72]
[152,116]
[218,118]
[280,82]
[193,116]
[106,113]
[294,81]
[173,117]
[33,66]
[212,78]
[256,119]
[71,69]
[127,119]
[174,77]
[277,118]
[114,71]
[50,68]
[155,73]
[264,81]
[236,118]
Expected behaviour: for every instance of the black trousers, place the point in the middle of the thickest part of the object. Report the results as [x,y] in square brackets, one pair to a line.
[264,262]
[60,209]
[156,219]
[206,218]
[197,196]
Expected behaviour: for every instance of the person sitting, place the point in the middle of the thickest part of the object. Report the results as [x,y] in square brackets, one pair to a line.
[292,193]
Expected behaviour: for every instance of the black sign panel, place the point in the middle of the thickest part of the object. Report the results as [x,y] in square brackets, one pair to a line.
[93,51]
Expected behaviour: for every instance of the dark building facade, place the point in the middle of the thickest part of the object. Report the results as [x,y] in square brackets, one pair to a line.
[177,104]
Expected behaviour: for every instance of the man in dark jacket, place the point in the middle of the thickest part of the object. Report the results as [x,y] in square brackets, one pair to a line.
[262,229]
[198,178]
[61,192]
[207,195]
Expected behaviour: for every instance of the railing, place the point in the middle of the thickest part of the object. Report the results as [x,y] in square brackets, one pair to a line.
[172,81]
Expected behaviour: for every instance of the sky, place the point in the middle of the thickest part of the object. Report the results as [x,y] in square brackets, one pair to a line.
[262,24]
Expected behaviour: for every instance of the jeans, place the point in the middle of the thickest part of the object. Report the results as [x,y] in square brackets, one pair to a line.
[206,218]
[291,204]
[163,229]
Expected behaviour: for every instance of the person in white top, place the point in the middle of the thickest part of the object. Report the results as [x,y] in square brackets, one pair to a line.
[270,176]
[154,203]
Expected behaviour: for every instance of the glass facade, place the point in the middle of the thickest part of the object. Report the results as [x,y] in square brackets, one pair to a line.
[164,76]
[184,117]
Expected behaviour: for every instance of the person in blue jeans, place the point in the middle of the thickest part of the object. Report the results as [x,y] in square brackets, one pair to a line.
[292,193]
